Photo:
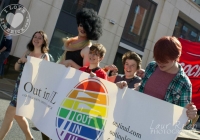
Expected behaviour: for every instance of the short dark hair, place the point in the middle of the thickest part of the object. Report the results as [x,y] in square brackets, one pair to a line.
[44,48]
[167,48]
[97,47]
[91,23]
[133,56]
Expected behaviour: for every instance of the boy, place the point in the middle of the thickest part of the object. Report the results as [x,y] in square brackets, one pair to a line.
[131,64]
[96,54]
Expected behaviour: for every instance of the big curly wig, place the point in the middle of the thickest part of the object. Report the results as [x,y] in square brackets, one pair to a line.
[91,23]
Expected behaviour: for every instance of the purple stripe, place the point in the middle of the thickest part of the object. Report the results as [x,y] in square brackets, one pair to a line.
[73,137]
[62,133]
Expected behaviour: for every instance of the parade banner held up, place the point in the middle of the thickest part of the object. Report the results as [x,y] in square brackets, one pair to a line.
[66,104]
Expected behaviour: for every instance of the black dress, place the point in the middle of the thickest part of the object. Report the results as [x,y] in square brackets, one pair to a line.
[75,56]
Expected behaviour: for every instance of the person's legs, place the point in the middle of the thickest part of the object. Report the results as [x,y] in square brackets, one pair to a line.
[24,125]
[7,122]
[11,114]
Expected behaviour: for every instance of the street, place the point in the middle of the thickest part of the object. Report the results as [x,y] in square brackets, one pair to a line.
[6,87]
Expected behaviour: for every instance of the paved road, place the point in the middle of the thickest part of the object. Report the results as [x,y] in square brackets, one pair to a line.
[6,87]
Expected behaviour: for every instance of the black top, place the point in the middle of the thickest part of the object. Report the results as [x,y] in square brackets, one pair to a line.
[7,42]
[75,56]
[130,82]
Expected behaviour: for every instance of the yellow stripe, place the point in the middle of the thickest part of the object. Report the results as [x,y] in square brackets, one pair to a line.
[68,103]
[91,109]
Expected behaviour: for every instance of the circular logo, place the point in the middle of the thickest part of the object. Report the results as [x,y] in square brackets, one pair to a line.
[15,19]
[83,113]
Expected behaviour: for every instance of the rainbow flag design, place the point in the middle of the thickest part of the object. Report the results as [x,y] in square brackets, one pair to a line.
[82,114]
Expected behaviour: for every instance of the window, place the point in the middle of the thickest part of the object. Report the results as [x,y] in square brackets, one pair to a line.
[57,43]
[186,31]
[178,27]
[138,23]
[140,14]
[73,6]
[198,37]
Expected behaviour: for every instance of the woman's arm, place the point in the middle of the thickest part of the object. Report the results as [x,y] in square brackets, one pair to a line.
[18,64]
[20,61]
[70,63]
[85,55]
[62,57]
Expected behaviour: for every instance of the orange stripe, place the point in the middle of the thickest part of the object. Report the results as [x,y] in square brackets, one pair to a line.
[92,86]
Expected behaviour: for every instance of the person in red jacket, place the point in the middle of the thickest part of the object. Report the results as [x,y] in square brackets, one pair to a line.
[96,54]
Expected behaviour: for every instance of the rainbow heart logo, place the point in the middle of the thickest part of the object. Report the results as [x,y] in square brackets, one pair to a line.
[83,113]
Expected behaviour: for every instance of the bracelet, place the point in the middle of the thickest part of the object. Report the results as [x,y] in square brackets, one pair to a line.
[189,125]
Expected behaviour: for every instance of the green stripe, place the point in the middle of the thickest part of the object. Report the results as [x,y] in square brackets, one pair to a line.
[63,112]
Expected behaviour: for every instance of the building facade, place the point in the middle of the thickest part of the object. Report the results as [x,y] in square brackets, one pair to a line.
[127,24]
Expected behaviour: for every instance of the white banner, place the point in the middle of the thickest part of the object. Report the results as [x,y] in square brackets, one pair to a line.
[66,104]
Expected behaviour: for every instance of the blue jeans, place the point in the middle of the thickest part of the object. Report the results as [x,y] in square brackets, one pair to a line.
[3,57]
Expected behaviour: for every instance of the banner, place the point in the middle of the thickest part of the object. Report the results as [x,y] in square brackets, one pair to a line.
[190,60]
[66,104]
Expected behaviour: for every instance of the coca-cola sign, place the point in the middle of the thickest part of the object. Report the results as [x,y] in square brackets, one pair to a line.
[190,61]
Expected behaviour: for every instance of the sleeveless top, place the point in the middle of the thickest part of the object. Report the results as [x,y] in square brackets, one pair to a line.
[75,56]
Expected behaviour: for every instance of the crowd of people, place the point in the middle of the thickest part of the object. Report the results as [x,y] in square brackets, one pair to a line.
[163,78]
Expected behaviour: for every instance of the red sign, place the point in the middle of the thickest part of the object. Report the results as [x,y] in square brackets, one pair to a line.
[190,60]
